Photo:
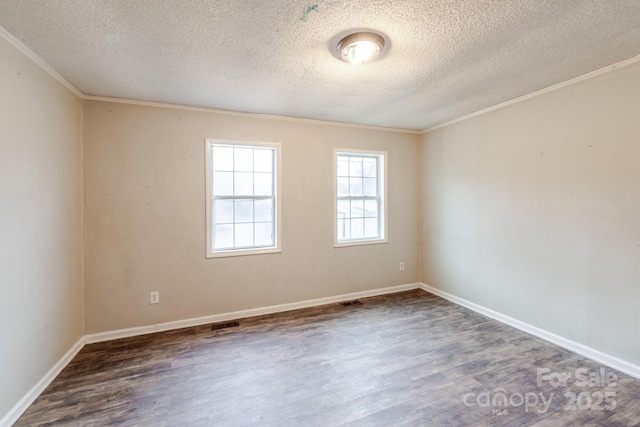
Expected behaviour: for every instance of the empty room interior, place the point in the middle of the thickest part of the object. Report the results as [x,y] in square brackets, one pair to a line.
[320,213]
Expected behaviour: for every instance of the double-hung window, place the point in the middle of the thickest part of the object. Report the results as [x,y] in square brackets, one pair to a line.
[360,190]
[242,198]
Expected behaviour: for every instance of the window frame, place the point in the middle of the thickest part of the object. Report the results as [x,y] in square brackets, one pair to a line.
[277,173]
[382,174]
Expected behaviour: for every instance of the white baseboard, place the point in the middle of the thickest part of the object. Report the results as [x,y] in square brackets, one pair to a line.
[15,413]
[223,317]
[581,349]
[26,401]
[20,407]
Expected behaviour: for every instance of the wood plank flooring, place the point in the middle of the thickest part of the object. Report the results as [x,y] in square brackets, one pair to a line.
[407,359]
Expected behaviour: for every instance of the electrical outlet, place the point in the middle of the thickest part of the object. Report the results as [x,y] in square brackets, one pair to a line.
[401,266]
[154,297]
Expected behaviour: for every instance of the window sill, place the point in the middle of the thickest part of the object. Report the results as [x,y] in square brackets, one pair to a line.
[244,252]
[359,243]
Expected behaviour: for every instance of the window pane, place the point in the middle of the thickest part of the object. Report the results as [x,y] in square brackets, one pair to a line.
[243,211]
[223,237]
[355,166]
[263,210]
[244,235]
[222,158]
[264,234]
[243,184]
[344,229]
[263,160]
[357,208]
[344,209]
[243,159]
[370,208]
[222,211]
[357,228]
[355,187]
[370,186]
[223,183]
[343,166]
[343,187]
[369,167]
[263,184]
[371,227]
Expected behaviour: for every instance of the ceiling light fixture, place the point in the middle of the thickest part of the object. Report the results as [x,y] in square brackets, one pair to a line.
[361,47]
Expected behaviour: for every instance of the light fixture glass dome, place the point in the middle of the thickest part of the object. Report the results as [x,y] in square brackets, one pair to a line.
[361,47]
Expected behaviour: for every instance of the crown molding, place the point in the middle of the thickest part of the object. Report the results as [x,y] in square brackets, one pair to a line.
[46,67]
[551,88]
[243,114]
[18,44]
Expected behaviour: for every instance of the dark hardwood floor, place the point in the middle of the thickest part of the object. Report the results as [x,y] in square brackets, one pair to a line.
[407,359]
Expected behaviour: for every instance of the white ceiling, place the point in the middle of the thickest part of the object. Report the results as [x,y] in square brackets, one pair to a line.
[445,58]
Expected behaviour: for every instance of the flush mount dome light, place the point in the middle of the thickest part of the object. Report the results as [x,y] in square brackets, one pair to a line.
[362,47]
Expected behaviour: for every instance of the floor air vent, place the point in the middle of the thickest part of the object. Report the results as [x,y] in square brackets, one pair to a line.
[225,325]
[348,303]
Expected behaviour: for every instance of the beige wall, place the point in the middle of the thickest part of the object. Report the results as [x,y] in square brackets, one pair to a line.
[41,302]
[533,211]
[145,216]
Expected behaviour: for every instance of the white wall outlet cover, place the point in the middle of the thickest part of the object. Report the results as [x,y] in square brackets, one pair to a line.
[154,297]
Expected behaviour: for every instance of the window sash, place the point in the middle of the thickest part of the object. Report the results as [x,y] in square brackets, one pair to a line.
[233,223]
[344,221]
[341,230]
[260,233]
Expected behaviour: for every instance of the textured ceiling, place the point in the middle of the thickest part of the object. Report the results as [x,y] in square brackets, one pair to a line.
[444,58]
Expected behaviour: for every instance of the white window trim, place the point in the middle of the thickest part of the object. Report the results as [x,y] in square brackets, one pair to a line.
[208,227]
[384,210]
